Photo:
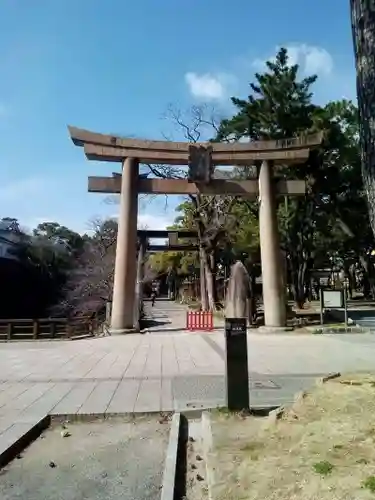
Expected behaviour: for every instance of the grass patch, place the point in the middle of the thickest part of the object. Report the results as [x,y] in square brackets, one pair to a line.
[318,331]
[338,328]
[324,447]
[252,449]
[323,468]
[369,484]
[253,446]
[222,411]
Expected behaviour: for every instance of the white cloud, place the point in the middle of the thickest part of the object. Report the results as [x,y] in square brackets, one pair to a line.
[152,221]
[311,59]
[157,222]
[219,86]
[209,86]
[17,190]
[317,60]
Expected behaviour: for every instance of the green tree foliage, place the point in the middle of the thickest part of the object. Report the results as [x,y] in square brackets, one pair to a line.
[281,106]
[330,224]
[34,279]
[278,107]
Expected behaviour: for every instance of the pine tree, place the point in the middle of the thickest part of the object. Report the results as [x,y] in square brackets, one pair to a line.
[278,107]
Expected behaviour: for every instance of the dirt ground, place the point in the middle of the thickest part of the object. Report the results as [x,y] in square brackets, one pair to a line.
[102,460]
[323,448]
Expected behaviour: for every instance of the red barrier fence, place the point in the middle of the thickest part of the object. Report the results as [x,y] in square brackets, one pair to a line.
[199,320]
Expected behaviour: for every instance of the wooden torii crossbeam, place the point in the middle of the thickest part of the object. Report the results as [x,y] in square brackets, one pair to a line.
[108,148]
[248,189]
[101,147]
[201,158]
[173,236]
[182,247]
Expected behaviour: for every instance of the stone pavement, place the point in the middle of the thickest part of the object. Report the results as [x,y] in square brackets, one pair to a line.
[161,372]
[165,316]
[141,373]
[169,316]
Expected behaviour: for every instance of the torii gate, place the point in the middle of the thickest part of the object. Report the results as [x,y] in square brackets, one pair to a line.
[143,245]
[201,158]
[173,245]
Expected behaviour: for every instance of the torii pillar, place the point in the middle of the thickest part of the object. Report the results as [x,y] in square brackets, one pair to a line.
[123,302]
[138,303]
[274,302]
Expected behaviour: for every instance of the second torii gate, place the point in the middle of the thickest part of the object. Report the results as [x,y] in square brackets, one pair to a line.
[173,235]
[201,158]
[144,235]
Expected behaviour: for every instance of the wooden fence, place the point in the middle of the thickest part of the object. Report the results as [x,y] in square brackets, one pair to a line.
[46,328]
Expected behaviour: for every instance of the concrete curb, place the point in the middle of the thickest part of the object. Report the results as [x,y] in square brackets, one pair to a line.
[323,380]
[326,330]
[82,337]
[183,330]
[174,487]
[300,396]
[207,449]
[21,442]
[278,413]
[165,416]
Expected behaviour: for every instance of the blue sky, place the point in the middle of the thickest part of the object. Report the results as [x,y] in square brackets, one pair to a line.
[116,66]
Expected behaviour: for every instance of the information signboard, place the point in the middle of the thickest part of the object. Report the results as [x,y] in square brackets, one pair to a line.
[333,299]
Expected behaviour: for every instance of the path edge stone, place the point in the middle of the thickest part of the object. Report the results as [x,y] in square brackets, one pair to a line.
[207,441]
[174,483]
[19,445]
[275,415]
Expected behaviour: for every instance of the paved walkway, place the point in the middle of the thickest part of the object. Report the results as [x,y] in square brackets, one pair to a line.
[161,372]
[165,316]
[169,316]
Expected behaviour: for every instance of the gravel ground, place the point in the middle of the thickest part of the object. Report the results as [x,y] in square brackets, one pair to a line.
[102,460]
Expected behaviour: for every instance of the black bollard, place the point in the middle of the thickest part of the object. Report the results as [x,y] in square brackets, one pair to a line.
[237,371]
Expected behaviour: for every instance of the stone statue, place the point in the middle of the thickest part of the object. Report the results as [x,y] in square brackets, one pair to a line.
[238,292]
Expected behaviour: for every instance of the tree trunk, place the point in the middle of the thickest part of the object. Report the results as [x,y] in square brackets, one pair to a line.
[363,30]
[210,282]
[350,274]
[210,289]
[252,298]
[203,282]
[297,275]
[302,281]
[368,276]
